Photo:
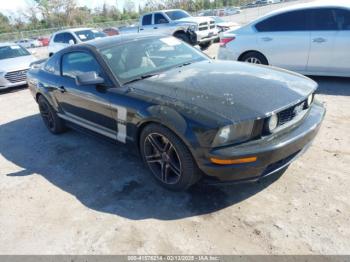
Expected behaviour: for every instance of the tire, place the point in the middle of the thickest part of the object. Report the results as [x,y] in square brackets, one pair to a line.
[184,37]
[51,120]
[205,45]
[254,58]
[168,158]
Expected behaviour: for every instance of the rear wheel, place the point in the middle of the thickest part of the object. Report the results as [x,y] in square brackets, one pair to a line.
[51,120]
[168,158]
[254,58]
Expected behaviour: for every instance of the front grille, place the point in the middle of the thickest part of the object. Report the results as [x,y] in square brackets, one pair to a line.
[16,76]
[288,114]
[212,26]
[203,28]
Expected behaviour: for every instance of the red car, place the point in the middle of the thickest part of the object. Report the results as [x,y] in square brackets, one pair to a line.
[110,31]
[44,40]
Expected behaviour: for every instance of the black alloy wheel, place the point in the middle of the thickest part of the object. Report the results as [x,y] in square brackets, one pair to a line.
[168,158]
[162,158]
[51,120]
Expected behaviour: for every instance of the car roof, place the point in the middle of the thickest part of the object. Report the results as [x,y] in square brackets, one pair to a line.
[111,40]
[315,4]
[72,30]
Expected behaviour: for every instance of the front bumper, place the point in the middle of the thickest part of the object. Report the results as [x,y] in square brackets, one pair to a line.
[205,36]
[6,84]
[273,153]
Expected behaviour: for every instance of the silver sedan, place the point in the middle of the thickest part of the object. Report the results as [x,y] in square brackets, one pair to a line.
[312,39]
[14,64]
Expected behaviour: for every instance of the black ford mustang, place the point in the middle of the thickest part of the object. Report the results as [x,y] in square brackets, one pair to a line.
[187,114]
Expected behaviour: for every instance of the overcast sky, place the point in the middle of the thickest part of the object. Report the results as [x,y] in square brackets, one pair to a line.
[10,6]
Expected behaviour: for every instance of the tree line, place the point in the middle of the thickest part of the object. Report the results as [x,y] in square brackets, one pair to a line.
[43,14]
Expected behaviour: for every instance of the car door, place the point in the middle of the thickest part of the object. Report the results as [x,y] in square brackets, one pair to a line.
[160,24]
[324,31]
[84,105]
[340,61]
[284,39]
[146,25]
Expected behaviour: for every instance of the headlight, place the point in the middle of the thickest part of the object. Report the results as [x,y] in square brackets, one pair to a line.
[235,133]
[193,27]
[309,100]
[2,73]
[272,122]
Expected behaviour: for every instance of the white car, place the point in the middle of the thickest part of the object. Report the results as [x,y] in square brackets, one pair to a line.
[29,43]
[312,39]
[15,61]
[64,38]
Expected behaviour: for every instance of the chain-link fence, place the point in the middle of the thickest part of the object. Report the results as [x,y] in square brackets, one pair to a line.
[247,12]
[14,36]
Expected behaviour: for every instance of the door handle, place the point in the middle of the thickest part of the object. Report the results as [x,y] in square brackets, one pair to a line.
[155,27]
[62,89]
[267,39]
[319,40]
[141,29]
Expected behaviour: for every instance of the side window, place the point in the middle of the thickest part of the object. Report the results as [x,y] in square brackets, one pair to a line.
[324,19]
[343,19]
[76,63]
[147,19]
[58,38]
[52,65]
[160,19]
[290,21]
[64,38]
[67,37]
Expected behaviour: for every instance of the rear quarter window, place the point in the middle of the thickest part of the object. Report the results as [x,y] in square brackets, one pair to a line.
[52,65]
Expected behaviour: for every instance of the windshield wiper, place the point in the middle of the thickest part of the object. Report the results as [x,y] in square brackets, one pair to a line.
[185,64]
[140,78]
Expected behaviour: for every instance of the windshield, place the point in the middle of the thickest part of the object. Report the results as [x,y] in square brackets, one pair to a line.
[143,57]
[177,14]
[12,51]
[86,35]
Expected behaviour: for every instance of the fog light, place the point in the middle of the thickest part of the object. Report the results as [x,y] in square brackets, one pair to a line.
[273,122]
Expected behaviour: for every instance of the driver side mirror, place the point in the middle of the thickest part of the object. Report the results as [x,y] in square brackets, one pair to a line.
[89,78]
[71,42]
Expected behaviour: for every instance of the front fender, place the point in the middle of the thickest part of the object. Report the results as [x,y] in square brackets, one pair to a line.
[171,119]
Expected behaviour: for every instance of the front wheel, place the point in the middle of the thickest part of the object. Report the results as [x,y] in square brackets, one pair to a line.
[184,37]
[254,58]
[168,158]
[205,46]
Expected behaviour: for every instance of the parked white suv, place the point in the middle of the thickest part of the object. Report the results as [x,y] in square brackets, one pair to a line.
[312,39]
[64,38]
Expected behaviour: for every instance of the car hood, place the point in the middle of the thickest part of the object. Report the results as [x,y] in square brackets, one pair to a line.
[17,63]
[194,19]
[233,90]
[229,24]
